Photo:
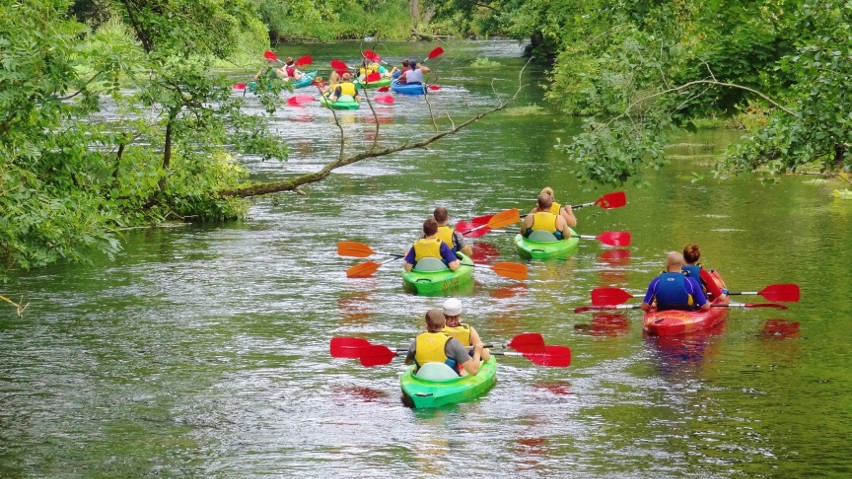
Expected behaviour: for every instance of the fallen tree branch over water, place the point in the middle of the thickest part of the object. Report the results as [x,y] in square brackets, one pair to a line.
[293,184]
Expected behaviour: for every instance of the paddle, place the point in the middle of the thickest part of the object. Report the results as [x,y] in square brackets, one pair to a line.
[434,87]
[372,77]
[611,238]
[516,271]
[299,100]
[358,250]
[583,309]
[607,202]
[374,57]
[383,89]
[305,60]
[365,270]
[339,65]
[551,356]
[434,53]
[773,292]
[500,220]
[239,86]
[349,347]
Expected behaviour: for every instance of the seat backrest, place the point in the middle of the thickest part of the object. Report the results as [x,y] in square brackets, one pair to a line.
[437,372]
[541,236]
[430,264]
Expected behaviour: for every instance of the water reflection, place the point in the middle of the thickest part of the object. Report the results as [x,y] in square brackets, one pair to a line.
[780,329]
[605,324]
[681,353]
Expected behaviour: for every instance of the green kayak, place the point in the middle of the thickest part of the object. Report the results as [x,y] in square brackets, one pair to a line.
[343,103]
[431,276]
[543,245]
[436,385]
[373,84]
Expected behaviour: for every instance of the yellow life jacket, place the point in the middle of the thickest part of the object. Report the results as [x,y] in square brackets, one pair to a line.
[544,221]
[460,332]
[445,234]
[347,88]
[555,207]
[371,68]
[427,248]
[429,348]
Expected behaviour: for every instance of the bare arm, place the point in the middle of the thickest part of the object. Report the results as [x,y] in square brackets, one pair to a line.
[472,364]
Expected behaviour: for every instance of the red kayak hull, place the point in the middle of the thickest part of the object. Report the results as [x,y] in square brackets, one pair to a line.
[675,322]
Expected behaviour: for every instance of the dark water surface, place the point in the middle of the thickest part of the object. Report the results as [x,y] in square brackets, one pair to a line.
[203,351]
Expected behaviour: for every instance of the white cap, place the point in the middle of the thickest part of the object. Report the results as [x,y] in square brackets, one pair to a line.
[452,307]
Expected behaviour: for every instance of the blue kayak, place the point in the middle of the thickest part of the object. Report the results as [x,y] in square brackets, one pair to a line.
[408,89]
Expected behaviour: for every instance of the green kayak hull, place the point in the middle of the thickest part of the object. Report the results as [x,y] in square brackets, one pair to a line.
[340,104]
[557,249]
[419,393]
[373,84]
[439,282]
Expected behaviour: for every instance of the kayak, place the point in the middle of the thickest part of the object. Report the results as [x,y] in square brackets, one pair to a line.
[345,102]
[373,84]
[843,194]
[436,384]
[435,278]
[406,89]
[306,80]
[547,246]
[672,321]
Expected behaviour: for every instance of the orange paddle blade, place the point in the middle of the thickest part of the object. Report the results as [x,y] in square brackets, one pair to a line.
[363,270]
[504,219]
[353,248]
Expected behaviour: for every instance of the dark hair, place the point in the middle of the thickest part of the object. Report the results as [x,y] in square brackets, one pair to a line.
[405,63]
[691,253]
[435,320]
[441,214]
[545,201]
[289,61]
[430,227]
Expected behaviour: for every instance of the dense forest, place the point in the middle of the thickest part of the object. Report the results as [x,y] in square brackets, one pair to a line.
[636,72]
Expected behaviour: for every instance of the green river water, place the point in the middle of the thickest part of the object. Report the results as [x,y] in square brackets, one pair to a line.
[204,351]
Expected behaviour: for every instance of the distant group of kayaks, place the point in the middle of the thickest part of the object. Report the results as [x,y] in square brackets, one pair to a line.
[371,76]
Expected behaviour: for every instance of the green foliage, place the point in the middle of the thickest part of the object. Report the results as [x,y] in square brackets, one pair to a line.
[336,19]
[485,62]
[68,184]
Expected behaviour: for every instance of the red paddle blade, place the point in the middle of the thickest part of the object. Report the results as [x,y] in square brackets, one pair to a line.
[481,220]
[372,56]
[468,230]
[527,343]
[373,77]
[516,271]
[434,87]
[363,270]
[612,200]
[781,292]
[386,99]
[270,56]
[435,53]
[383,89]
[348,347]
[240,86]
[353,248]
[375,355]
[615,238]
[305,60]
[339,65]
[603,296]
[553,357]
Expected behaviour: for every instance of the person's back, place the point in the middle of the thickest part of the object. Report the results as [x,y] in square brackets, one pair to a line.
[448,234]
[542,219]
[436,346]
[429,246]
[414,76]
[346,90]
[463,332]
[674,290]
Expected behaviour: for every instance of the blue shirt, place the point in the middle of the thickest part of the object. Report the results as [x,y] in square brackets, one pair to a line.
[691,287]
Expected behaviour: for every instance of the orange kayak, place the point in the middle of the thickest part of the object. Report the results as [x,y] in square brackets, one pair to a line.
[672,322]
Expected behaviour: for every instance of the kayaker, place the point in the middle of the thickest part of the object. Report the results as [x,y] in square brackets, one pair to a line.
[691,255]
[541,218]
[345,90]
[465,333]
[434,346]
[557,209]
[448,234]
[430,246]
[412,74]
[333,81]
[290,70]
[675,290]
[371,67]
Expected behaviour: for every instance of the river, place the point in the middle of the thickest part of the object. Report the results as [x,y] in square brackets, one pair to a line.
[203,351]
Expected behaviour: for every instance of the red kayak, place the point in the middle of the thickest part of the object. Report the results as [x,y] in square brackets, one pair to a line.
[672,322]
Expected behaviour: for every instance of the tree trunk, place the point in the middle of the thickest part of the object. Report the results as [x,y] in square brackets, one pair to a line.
[167,153]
